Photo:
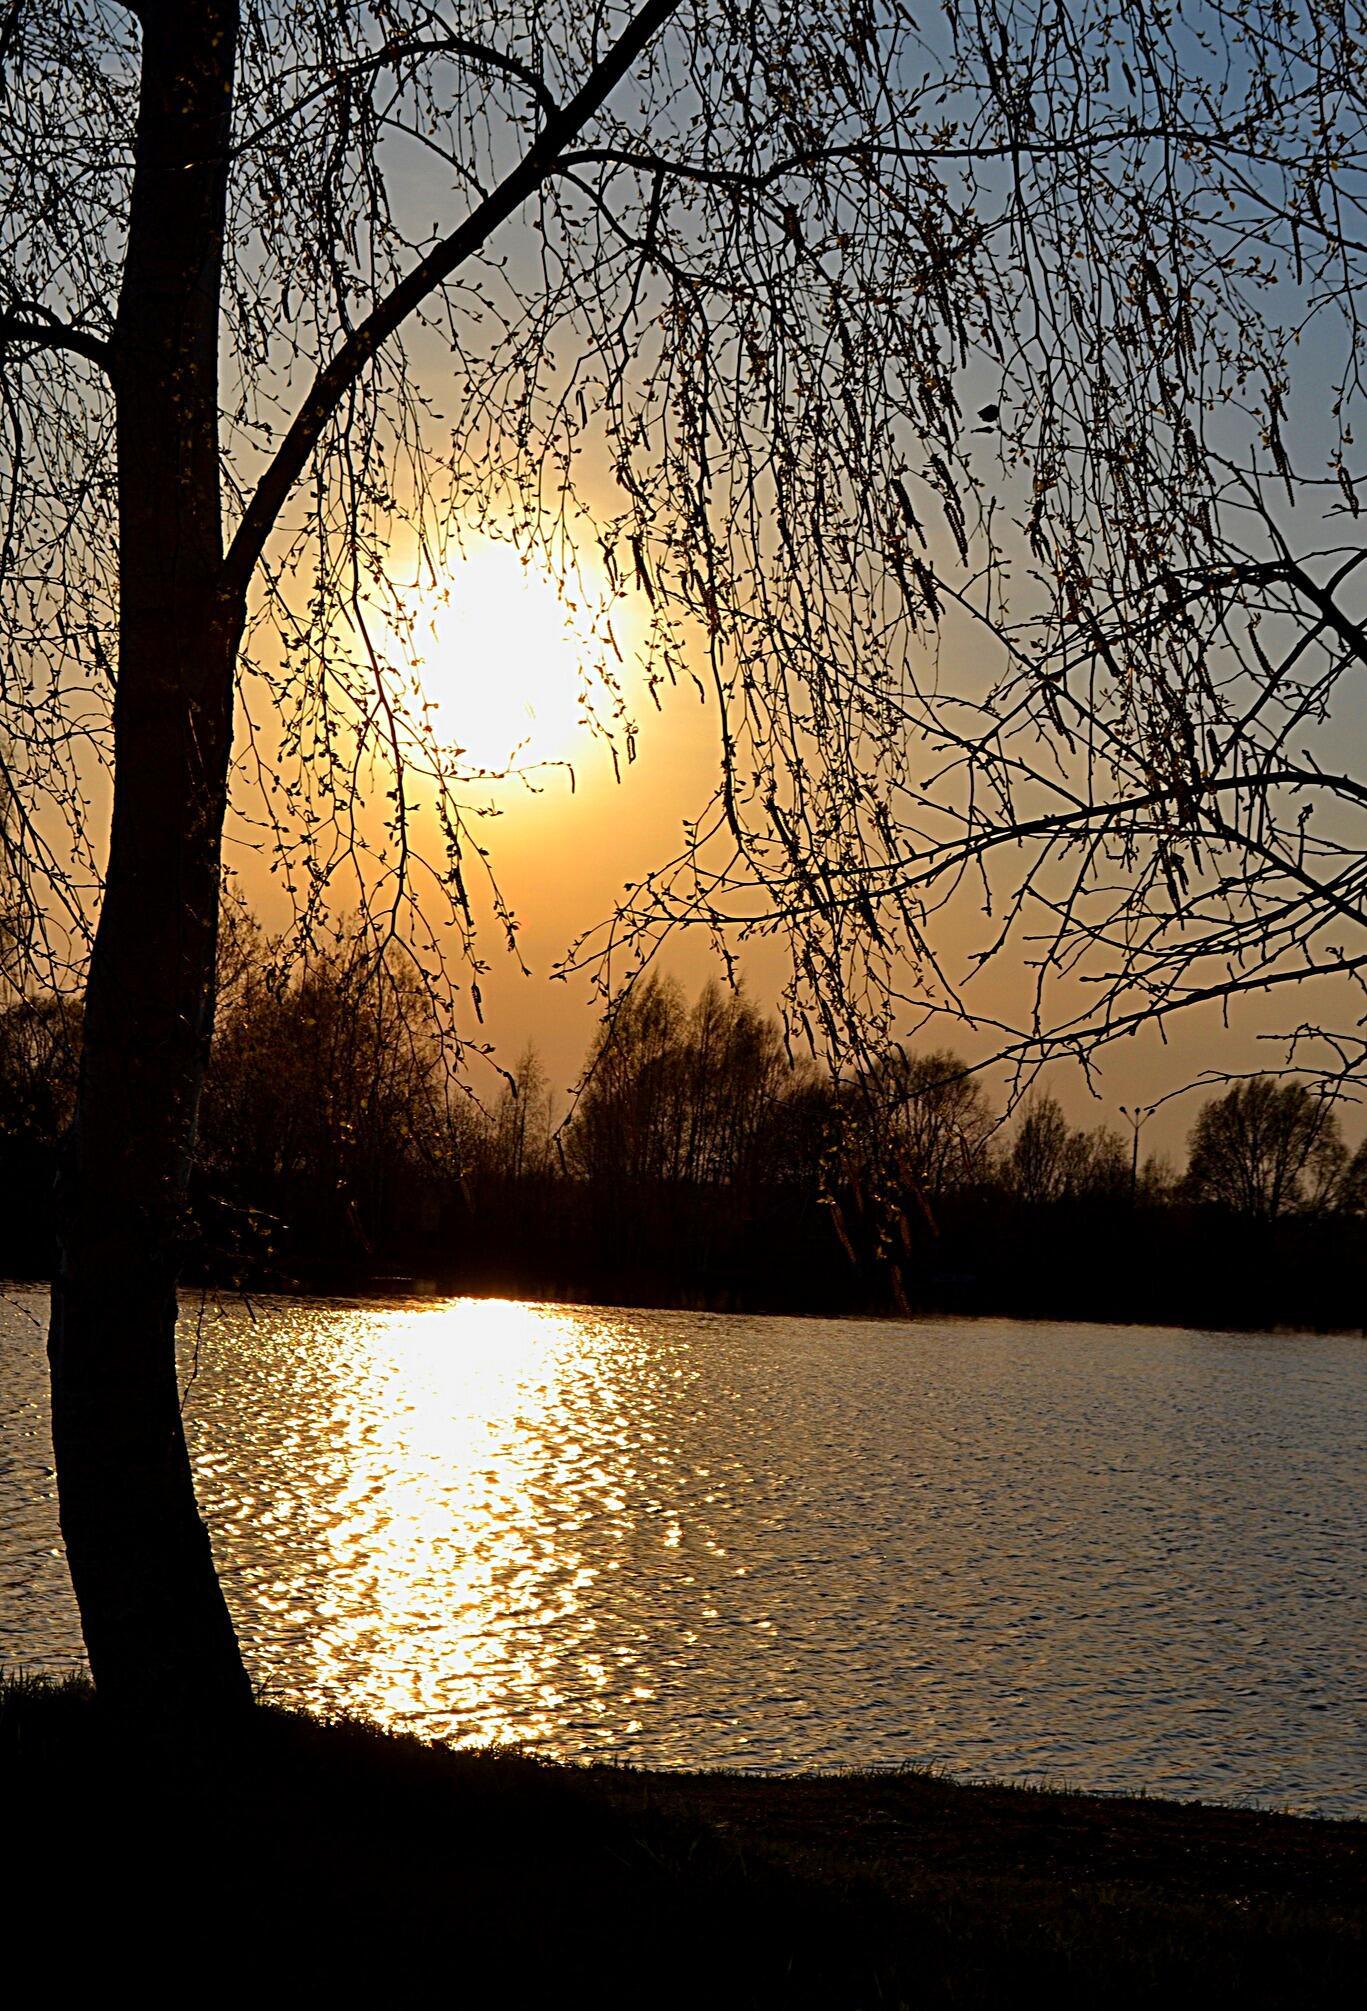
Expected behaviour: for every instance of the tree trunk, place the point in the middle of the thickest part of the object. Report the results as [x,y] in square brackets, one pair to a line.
[155,1621]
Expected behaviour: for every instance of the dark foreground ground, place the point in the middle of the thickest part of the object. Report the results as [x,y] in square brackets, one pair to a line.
[332,1864]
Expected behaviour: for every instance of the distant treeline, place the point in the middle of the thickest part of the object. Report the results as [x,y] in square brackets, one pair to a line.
[700,1165]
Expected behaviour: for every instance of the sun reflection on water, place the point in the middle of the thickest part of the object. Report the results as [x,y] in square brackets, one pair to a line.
[456,1524]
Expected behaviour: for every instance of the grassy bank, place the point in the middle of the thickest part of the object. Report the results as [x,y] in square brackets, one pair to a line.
[298,1859]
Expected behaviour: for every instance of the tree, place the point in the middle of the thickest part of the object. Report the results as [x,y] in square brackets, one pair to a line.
[519,1144]
[729,285]
[1111,1171]
[39,1042]
[943,1125]
[733,1075]
[679,1095]
[1042,1152]
[112,312]
[916,1121]
[1049,1161]
[327,1101]
[624,1123]
[1266,1149]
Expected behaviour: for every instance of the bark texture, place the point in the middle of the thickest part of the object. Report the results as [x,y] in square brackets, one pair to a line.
[156,1624]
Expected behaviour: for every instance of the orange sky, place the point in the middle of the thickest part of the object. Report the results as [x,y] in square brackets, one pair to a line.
[562,857]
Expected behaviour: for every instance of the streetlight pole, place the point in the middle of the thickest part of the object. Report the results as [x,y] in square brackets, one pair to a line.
[1137,1117]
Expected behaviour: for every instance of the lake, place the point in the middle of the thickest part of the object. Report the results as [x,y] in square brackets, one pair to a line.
[1119,1558]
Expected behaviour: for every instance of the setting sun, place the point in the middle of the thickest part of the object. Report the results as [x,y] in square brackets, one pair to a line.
[502,661]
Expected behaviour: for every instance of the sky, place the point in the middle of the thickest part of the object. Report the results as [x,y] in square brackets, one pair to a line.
[563,854]
[563,847]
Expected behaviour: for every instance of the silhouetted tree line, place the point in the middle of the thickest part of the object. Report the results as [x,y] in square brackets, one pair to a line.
[701,1163]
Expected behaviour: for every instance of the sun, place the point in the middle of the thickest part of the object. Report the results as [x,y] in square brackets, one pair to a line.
[502,658]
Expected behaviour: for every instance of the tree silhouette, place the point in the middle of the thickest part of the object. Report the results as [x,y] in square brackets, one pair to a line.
[720,288]
[1266,1149]
[39,1042]
[938,1126]
[679,1095]
[327,1096]
[519,1145]
[1048,1161]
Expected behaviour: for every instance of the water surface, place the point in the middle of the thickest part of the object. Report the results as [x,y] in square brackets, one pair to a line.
[1123,1558]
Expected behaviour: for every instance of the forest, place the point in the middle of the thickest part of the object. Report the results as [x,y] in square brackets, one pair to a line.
[700,1163]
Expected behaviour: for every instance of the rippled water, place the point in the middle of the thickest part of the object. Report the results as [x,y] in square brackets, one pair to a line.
[1120,1557]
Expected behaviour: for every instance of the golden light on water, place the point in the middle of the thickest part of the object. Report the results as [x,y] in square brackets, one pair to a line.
[458,1521]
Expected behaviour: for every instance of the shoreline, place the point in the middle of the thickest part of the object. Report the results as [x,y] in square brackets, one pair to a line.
[368,1855]
[835,1778]
[381,1293]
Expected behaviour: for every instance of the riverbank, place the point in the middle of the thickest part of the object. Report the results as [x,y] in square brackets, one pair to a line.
[403,1289]
[981,1254]
[301,1857]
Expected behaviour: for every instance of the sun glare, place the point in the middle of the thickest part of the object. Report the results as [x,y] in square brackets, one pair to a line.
[502,660]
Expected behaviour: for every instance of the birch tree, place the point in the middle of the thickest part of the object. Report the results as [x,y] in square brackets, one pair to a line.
[928,376]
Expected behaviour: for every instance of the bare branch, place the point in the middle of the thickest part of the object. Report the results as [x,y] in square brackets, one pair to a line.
[354,356]
[391,57]
[22,330]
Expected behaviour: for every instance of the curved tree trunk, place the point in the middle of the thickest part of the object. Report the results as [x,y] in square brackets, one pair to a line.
[155,1621]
